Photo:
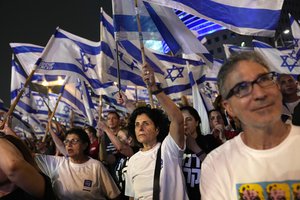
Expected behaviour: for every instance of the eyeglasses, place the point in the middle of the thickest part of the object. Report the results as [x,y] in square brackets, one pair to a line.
[72,141]
[244,88]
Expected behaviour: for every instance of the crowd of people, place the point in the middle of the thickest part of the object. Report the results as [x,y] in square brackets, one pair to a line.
[160,153]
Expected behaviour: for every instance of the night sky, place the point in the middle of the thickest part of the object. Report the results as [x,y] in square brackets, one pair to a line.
[33,21]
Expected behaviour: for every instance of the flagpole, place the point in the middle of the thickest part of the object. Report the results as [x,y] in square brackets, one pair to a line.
[51,116]
[72,119]
[136,95]
[118,66]
[102,150]
[17,99]
[142,47]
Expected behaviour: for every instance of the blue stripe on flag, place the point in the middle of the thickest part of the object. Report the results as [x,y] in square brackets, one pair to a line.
[26,49]
[256,18]
[136,53]
[164,31]
[92,50]
[261,45]
[128,23]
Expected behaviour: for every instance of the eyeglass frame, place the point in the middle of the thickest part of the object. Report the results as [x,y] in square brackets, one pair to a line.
[251,83]
[72,141]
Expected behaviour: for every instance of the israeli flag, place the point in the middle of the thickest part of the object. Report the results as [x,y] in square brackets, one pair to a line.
[110,94]
[209,89]
[281,61]
[198,103]
[18,78]
[158,23]
[28,105]
[77,96]
[296,34]
[246,17]
[170,72]
[71,55]
[167,21]
[28,55]
[230,49]
[63,110]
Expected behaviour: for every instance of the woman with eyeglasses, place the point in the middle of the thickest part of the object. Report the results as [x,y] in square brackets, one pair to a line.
[76,175]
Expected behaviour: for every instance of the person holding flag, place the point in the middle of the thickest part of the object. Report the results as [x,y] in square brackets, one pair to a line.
[155,171]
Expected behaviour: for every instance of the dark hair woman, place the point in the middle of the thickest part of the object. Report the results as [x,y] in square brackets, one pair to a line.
[76,175]
[198,146]
[150,127]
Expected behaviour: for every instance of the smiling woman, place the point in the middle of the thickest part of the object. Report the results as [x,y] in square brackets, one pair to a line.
[77,176]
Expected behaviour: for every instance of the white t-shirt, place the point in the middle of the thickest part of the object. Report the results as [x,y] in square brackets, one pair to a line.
[288,108]
[89,180]
[234,170]
[140,173]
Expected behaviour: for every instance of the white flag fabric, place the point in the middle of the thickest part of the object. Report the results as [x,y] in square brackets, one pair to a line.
[30,106]
[63,110]
[230,49]
[209,89]
[198,103]
[280,61]
[77,96]
[246,17]
[165,18]
[296,34]
[27,55]
[170,72]
[157,23]
[71,55]
[110,94]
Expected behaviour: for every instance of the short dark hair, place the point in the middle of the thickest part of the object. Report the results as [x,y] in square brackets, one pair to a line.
[113,112]
[83,137]
[221,113]
[92,130]
[158,117]
[231,64]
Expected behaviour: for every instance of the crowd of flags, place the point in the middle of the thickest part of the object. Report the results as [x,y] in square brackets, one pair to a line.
[93,73]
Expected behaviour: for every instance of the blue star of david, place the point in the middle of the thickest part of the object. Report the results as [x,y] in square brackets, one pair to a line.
[85,61]
[66,109]
[132,65]
[39,102]
[26,91]
[172,71]
[79,87]
[294,61]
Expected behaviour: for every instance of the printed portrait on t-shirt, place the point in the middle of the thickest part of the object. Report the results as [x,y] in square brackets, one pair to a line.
[279,190]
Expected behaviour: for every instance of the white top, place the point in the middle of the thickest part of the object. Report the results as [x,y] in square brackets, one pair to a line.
[288,108]
[234,170]
[89,180]
[140,173]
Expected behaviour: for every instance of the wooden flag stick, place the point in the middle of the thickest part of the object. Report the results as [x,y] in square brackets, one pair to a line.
[17,99]
[51,116]
[101,140]
[142,48]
